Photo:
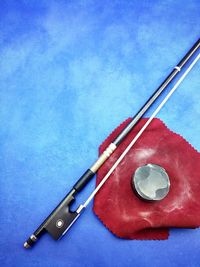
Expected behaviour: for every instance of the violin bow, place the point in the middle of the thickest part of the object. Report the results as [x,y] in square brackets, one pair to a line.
[62,218]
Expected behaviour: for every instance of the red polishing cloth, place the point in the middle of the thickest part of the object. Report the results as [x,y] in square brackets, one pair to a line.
[127,216]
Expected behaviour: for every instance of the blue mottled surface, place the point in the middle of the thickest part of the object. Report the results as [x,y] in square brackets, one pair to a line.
[71,71]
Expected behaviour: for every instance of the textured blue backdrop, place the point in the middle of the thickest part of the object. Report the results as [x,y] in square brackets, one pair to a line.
[71,71]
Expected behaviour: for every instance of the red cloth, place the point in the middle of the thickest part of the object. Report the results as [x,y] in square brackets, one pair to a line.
[127,216]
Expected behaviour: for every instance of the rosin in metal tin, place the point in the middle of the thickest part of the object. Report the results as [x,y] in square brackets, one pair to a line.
[151,182]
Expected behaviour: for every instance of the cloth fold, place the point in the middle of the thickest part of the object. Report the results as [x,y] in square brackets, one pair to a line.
[120,209]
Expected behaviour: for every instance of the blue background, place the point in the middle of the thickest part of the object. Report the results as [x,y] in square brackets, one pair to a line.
[70,72]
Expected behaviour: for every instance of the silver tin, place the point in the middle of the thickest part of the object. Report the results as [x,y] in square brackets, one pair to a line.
[151,182]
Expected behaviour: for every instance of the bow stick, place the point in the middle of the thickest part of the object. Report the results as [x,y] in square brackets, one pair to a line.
[61,218]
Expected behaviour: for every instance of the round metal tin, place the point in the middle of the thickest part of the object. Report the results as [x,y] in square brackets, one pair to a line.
[151,182]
